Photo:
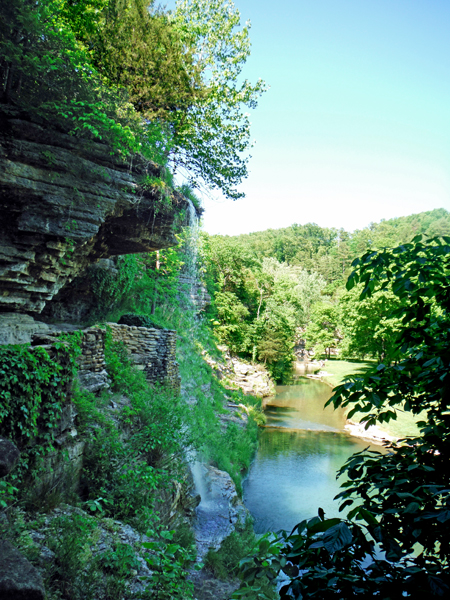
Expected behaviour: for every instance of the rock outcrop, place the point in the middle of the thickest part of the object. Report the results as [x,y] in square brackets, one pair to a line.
[18,578]
[252,379]
[67,202]
[194,289]
[19,329]
[9,454]
[219,511]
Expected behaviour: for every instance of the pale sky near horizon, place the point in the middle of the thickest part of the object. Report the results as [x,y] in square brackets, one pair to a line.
[356,125]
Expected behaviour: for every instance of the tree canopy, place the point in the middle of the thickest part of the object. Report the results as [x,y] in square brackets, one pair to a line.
[212,137]
[259,303]
[260,268]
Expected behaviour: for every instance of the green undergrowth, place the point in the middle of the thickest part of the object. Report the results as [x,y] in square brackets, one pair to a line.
[75,569]
[223,563]
[135,440]
[34,386]
[229,445]
[135,444]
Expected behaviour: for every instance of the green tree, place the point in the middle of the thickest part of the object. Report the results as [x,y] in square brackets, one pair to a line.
[213,135]
[322,333]
[47,71]
[395,541]
[231,314]
[134,46]
[369,326]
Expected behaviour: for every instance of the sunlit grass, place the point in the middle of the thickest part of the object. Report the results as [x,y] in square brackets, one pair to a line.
[339,369]
[403,426]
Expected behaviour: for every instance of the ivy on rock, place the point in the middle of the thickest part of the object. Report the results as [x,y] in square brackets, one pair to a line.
[34,384]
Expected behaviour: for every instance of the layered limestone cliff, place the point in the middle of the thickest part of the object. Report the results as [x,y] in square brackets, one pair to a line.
[67,202]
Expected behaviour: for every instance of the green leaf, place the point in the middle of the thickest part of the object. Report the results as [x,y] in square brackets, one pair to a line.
[337,537]
[412,507]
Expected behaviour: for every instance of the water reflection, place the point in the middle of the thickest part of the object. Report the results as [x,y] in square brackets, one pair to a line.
[300,451]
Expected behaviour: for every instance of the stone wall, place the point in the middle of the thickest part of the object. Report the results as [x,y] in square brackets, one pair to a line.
[152,351]
[92,373]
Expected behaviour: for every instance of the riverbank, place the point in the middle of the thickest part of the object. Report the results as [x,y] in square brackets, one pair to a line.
[334,372]
[374,434]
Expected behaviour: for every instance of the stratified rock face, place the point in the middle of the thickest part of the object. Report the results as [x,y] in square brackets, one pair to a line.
[19,580]
[18,329]
[65,203]
[194,289]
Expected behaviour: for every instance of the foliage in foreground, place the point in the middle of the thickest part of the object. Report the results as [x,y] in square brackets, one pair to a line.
[395,540]
[224,562]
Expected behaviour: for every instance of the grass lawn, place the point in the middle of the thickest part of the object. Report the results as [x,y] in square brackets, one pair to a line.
[404,425]
[338,369]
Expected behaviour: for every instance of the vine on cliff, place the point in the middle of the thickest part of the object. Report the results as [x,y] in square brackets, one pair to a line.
[33,387]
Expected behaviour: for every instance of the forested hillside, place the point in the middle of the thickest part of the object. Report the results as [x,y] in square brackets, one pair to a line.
[274,287]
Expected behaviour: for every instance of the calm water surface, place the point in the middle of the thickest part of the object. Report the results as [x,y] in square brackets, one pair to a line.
[301,448]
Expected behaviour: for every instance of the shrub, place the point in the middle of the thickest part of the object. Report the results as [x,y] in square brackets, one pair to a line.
[135,320]
[72,573]
[223,562]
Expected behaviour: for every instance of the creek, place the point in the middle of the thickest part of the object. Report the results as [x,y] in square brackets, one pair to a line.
[300,450]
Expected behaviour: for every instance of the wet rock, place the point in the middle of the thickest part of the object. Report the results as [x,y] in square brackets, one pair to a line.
[207,587]
[19,580]
[195,290]
[94,382]
[9,455]
[251,379]
[218,512]
[46,555]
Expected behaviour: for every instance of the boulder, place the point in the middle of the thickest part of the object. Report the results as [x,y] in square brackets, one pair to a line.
[16,328]
[19,580]
[9,455]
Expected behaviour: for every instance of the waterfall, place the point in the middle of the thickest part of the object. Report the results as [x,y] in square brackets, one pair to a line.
[198,471]
[190,284]
[191,242]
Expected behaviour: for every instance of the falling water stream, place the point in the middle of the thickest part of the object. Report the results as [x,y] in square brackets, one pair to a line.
[300,450]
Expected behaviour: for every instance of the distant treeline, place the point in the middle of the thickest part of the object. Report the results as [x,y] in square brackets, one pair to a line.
[330,252]
[271,287]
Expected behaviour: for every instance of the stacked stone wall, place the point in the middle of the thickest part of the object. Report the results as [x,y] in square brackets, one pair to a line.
[152,351]
[92,373]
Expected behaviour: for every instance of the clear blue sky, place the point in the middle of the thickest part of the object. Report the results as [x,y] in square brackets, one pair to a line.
[356,125]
